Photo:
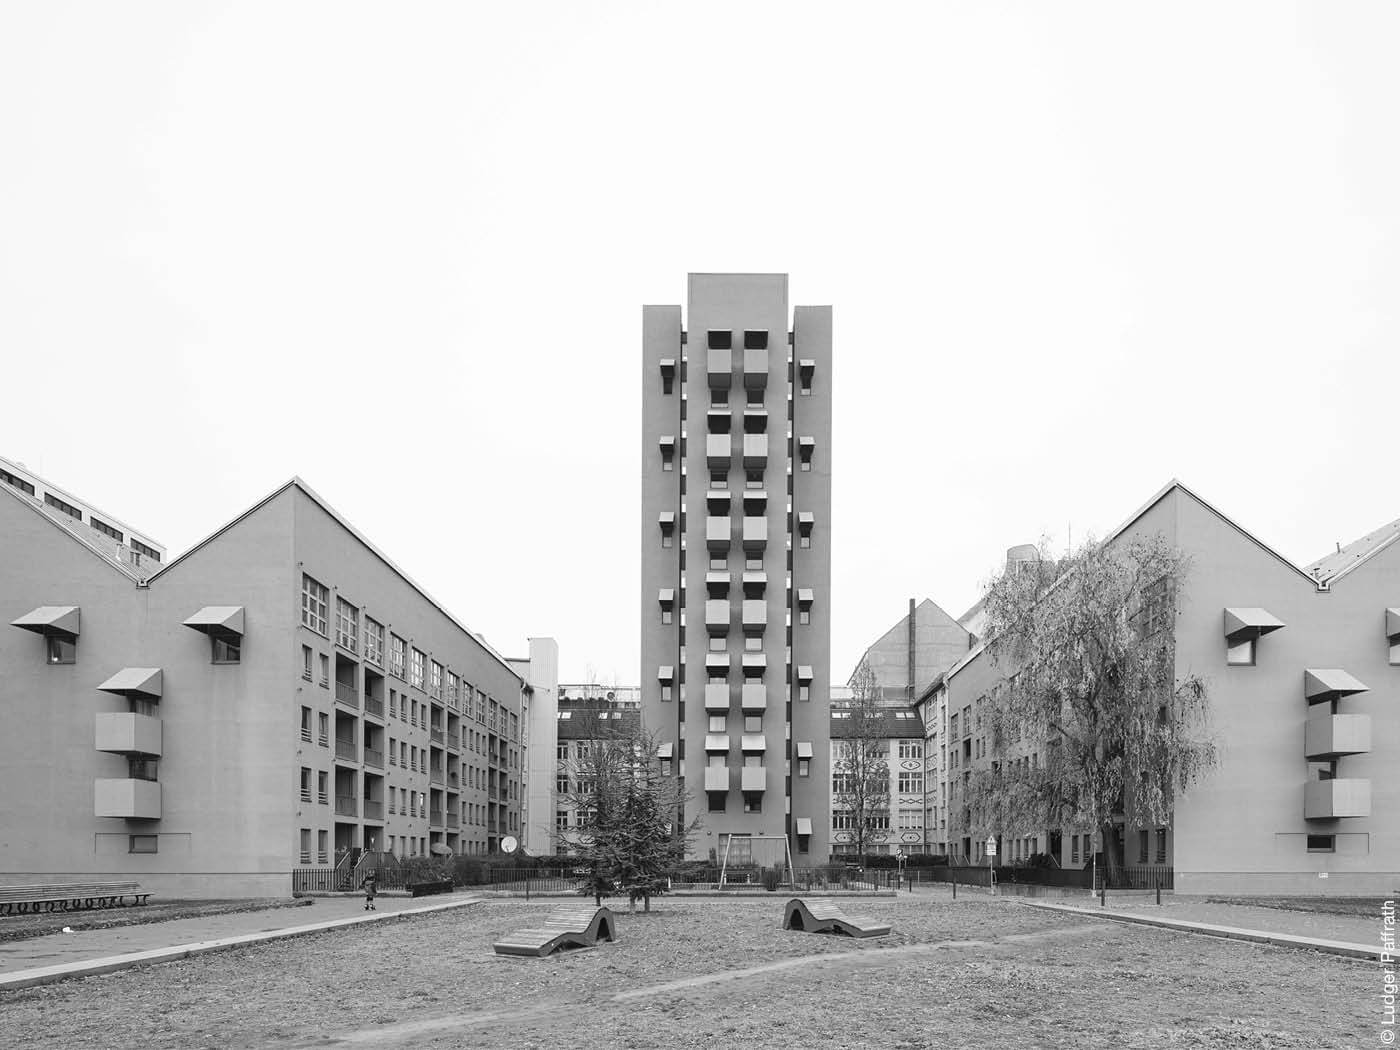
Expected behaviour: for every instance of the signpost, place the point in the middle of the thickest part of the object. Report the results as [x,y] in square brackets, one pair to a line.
[899,867]
[991,851]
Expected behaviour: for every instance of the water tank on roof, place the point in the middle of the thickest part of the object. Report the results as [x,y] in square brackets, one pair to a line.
[1019,557]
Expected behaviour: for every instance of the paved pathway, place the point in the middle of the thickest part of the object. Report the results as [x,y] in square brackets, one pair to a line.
[40,959]
[1353,936]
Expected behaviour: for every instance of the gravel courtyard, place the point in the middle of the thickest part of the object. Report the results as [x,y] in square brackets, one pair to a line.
[719,973]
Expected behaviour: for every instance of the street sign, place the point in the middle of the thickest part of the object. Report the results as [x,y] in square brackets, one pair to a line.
[898,854]
[991,846]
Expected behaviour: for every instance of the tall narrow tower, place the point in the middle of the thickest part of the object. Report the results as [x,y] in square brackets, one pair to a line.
[736,558]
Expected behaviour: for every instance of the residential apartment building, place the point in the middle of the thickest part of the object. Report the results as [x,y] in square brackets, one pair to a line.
[1301,666]
[898,824]
[587,713]
[137,551]
[281,696]
[736,557]
[538,733]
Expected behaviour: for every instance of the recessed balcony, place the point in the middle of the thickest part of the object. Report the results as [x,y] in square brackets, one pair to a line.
[716,696]
[1331,736]
[1332,799]
[127,733]
[128,798]
[717,616]
[716,778]
[718,533]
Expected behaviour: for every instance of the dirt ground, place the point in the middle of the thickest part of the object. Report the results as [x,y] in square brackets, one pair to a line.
[713,974]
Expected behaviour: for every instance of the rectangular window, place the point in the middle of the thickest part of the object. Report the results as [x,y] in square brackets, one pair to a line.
[1322,843]
[325,670]
[65,508]
[1142,846]
[1241,654]
[374,642]
[306,845]
[435,679]
[324,735]
[347,625]
[415,669]
[106,530]
[306,662]
[306,724]
[322,855]
[226,652]
[18,483]
[142,843]
[315,599]
[305,784]
[911,749]
[1074,849]
[60,650]
[323,791]
[911,783]
[804,767]
[141,548]
[397,651]
[454,685]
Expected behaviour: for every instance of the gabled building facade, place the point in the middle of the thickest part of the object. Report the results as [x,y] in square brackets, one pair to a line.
[1303,670]
[279,697]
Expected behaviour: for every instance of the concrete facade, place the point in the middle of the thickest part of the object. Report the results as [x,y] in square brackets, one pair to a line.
[736,556]
[255,718]
[540,670]
[1304,799]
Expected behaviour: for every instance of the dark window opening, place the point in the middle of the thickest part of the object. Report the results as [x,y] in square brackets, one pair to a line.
[1322,843]
[720,340]
[58,504]
[755,340]
[227,652]
[61,650]
[106,530]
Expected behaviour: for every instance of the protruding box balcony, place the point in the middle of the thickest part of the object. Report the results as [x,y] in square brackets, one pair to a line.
[717,584]
[717,533]
[717,501]
[717,664]
[1325,685]
[755,451]
[127,733]
[753,743]
[716,743]
[719,367]
[719,421]
[755,368]
[719,451]
[753,780]
[805,597]
[717,617]
[806,366]
[755,664]
[755,584]
[717,696]
[668,368]
[754,698]
[805,522]
[126,797]
[666,522]
[755,616]
[716,778]
[755,534]
[1331,736]
[1331,799]
[755,421]
[806,446]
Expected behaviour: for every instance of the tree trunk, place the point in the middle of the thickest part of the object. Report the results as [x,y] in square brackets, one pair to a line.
[646,903]
[1112,865]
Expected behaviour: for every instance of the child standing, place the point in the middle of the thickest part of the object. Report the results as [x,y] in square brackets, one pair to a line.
[369,885]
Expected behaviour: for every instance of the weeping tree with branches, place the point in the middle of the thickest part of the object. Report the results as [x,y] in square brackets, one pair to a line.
[860,774]
[1091,723]
[630,807]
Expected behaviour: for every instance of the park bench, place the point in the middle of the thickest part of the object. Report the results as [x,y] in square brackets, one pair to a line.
[24,900]
[823,915]
[572,926]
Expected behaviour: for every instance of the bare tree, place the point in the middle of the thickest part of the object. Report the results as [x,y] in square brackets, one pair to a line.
[630,809]
[1091,723]
[860,778]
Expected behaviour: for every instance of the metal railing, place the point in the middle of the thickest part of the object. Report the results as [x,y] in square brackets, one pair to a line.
[374,757]
[346,749]
[374,809]
[347,694]
[347,806]
[374,706]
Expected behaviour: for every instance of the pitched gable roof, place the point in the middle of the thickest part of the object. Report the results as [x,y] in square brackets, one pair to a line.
[113,554]
[1332,567]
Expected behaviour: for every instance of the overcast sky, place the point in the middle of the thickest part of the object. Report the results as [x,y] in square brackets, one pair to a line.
[400,250]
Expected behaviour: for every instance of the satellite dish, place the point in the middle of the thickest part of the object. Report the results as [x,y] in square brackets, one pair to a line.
[508,844]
